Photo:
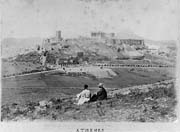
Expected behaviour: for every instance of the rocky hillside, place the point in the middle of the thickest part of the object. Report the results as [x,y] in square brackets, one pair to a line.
[91,46]
[145,103]
[95,50]
[97,47]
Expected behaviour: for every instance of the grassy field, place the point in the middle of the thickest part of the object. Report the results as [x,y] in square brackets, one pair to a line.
[147,103]
[45,86]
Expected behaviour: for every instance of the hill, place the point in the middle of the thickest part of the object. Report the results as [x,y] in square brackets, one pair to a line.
[160,44]
[145,103]
[13,46]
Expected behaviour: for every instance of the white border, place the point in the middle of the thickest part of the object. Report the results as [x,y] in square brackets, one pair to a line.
[107,126]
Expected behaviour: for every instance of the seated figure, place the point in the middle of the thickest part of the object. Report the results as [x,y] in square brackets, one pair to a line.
[84,96]
[101,94]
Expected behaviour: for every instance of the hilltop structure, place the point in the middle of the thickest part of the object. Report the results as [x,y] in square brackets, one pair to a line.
[114,39]
[102,35]
[49,42]
[103,45]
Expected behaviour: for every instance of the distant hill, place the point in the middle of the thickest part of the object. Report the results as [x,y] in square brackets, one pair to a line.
[128,35]
[160,44]
[13,46]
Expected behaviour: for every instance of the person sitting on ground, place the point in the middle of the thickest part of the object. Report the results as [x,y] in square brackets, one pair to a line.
[84,96]
[101,94]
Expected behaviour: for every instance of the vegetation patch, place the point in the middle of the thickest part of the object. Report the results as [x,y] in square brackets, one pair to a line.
[158,103]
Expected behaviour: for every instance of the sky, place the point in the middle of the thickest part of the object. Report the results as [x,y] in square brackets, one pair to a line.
[151,19]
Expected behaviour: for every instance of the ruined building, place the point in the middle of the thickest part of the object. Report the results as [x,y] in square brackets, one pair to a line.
[136,43]
[51,43]
[102,35]
[58,36]
[112,39]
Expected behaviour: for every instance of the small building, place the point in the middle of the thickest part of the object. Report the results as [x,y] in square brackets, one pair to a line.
[80,54]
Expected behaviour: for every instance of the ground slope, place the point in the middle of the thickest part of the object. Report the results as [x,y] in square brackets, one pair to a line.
[147,103]
[45,86]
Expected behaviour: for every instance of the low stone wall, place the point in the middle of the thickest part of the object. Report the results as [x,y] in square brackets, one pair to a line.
[131,65]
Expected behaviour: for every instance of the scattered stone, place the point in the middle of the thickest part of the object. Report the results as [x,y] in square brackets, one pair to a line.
[50,104]
[149,98]
[43,103]
[154,103]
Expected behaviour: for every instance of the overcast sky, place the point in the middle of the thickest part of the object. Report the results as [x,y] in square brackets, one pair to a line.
[152,19]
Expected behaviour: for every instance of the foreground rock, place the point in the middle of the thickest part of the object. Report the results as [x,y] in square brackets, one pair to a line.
[145,103]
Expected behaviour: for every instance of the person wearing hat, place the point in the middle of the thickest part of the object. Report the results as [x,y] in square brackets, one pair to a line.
[101,94]
[84,96]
